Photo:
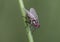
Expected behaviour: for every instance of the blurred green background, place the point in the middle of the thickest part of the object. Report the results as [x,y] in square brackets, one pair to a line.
[11,22]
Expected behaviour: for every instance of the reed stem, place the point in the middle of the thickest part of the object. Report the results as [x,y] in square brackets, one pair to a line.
[29,34]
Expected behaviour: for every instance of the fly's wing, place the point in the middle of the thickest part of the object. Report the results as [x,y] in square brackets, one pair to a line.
[32,10]
[29,13]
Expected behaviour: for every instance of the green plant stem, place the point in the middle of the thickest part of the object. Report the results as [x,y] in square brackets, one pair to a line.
[29,34]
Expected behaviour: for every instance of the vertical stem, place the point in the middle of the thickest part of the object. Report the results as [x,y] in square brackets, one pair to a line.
[29,34]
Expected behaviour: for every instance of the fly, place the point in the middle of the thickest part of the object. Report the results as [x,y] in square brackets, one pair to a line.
[32,17]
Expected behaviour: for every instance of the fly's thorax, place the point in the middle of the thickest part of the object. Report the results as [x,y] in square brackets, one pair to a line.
[30,15]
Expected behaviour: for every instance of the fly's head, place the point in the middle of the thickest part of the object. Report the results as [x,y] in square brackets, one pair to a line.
[36,23]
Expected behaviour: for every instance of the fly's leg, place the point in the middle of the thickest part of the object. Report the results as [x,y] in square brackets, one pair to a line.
[27,21]
[32,28]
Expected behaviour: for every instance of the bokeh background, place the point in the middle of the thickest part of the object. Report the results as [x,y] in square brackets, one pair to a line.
[12,27]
